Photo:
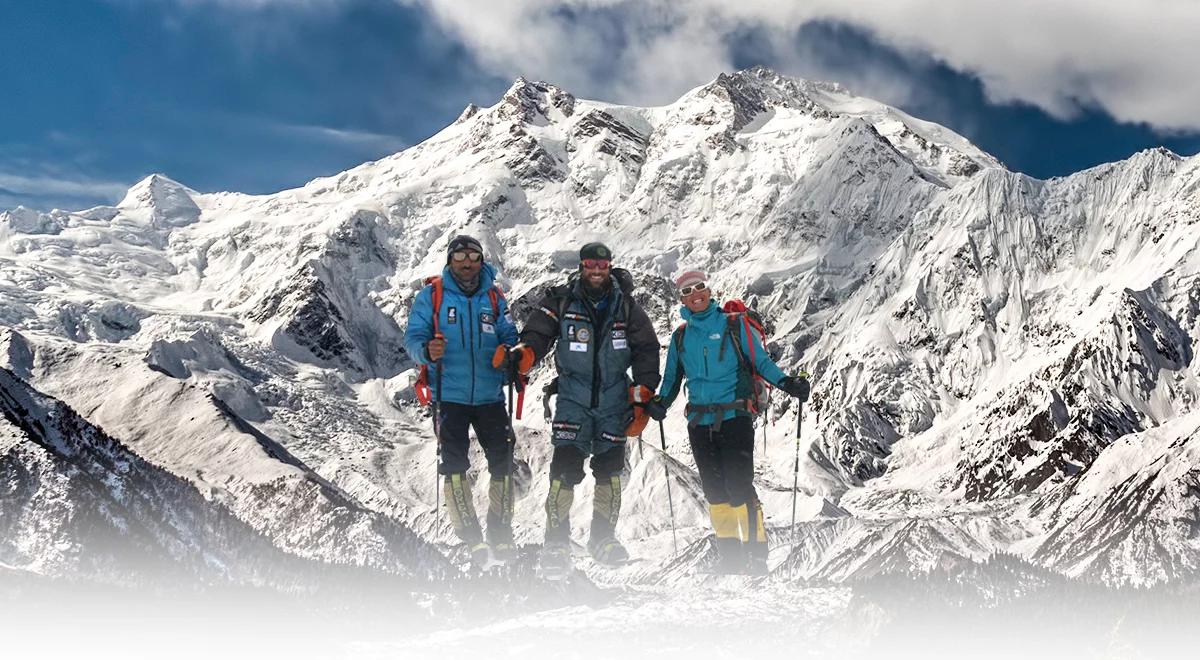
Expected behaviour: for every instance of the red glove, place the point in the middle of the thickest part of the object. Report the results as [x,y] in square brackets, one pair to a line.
[639,395]
[519,357]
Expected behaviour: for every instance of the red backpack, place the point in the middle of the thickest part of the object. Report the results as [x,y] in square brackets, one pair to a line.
[495,295]
[738,316]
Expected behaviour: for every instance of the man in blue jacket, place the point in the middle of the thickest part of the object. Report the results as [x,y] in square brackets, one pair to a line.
[719,355]
[473,321]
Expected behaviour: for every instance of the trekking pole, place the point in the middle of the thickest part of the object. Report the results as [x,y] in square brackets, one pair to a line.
[437,436]
[512,443]
[796,468]
[662,435]
[766,414]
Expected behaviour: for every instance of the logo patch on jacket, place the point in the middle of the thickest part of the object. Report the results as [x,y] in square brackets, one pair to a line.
[583,334]
[451,315]
[487,322]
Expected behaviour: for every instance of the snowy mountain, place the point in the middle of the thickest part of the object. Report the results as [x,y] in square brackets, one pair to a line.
[1002,366]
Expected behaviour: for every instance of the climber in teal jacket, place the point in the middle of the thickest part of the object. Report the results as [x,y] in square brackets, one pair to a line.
[715,352]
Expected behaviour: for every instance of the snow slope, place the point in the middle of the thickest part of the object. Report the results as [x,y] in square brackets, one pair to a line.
[979,341]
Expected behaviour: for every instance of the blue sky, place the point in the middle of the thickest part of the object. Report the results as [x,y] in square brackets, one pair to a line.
[261,95]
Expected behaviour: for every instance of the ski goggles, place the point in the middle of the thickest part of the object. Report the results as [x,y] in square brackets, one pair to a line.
[601,264]
[460,257]
[687,290]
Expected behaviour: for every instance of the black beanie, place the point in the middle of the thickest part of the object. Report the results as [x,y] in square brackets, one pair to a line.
[595,251]
[463,242]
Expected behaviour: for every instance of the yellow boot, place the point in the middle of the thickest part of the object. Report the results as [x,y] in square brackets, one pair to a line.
[753,535]
[730,558]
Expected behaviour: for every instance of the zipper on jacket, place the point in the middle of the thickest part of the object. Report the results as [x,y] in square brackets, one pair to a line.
[587,308]
[470,325]
[706,362]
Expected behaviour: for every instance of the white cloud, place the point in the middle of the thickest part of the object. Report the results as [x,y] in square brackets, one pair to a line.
[344,137]
[1132,59]
[51,186]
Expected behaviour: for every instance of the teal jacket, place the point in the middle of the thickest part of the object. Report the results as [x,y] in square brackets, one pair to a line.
[597,344]
[710,363]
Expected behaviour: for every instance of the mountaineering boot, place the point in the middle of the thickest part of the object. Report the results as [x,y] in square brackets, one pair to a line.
[731,559]
[462,517]
[499,519]
[481,556]
[606,511]
[754,537]
[555,560]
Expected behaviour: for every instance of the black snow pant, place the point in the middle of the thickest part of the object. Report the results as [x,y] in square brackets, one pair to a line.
[725,460]
[490,422]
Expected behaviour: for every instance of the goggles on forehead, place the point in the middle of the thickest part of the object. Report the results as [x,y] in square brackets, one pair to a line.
[687,290]
[602,264]
[460,257]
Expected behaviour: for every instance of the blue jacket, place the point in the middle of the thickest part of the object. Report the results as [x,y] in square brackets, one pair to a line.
[712,372]
[472,330]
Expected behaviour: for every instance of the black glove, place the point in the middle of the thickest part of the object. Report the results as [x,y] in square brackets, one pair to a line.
[656,409]
[512,365]
[795,386]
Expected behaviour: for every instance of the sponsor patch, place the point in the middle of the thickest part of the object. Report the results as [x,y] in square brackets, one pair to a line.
[565,430]
[548,312]
[612,438]
[579,347]
[451,315]
[574,316]
[620,344]
[486,317]
[583,334]
[715,335]
[618,334]
[571,332]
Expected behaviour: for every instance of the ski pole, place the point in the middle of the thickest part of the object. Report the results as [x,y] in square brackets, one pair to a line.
[796,468]
[662,436]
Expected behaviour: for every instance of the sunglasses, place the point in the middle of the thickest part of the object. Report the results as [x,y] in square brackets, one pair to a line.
[460,257]
[602,264]
[687,290]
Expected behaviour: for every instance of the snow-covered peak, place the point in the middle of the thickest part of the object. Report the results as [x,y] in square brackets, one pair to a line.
[536,102]
[160,202]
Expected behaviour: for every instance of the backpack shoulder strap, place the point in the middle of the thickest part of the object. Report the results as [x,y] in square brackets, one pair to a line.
[496,294]
[733,327]
[438,290]
[677,337]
